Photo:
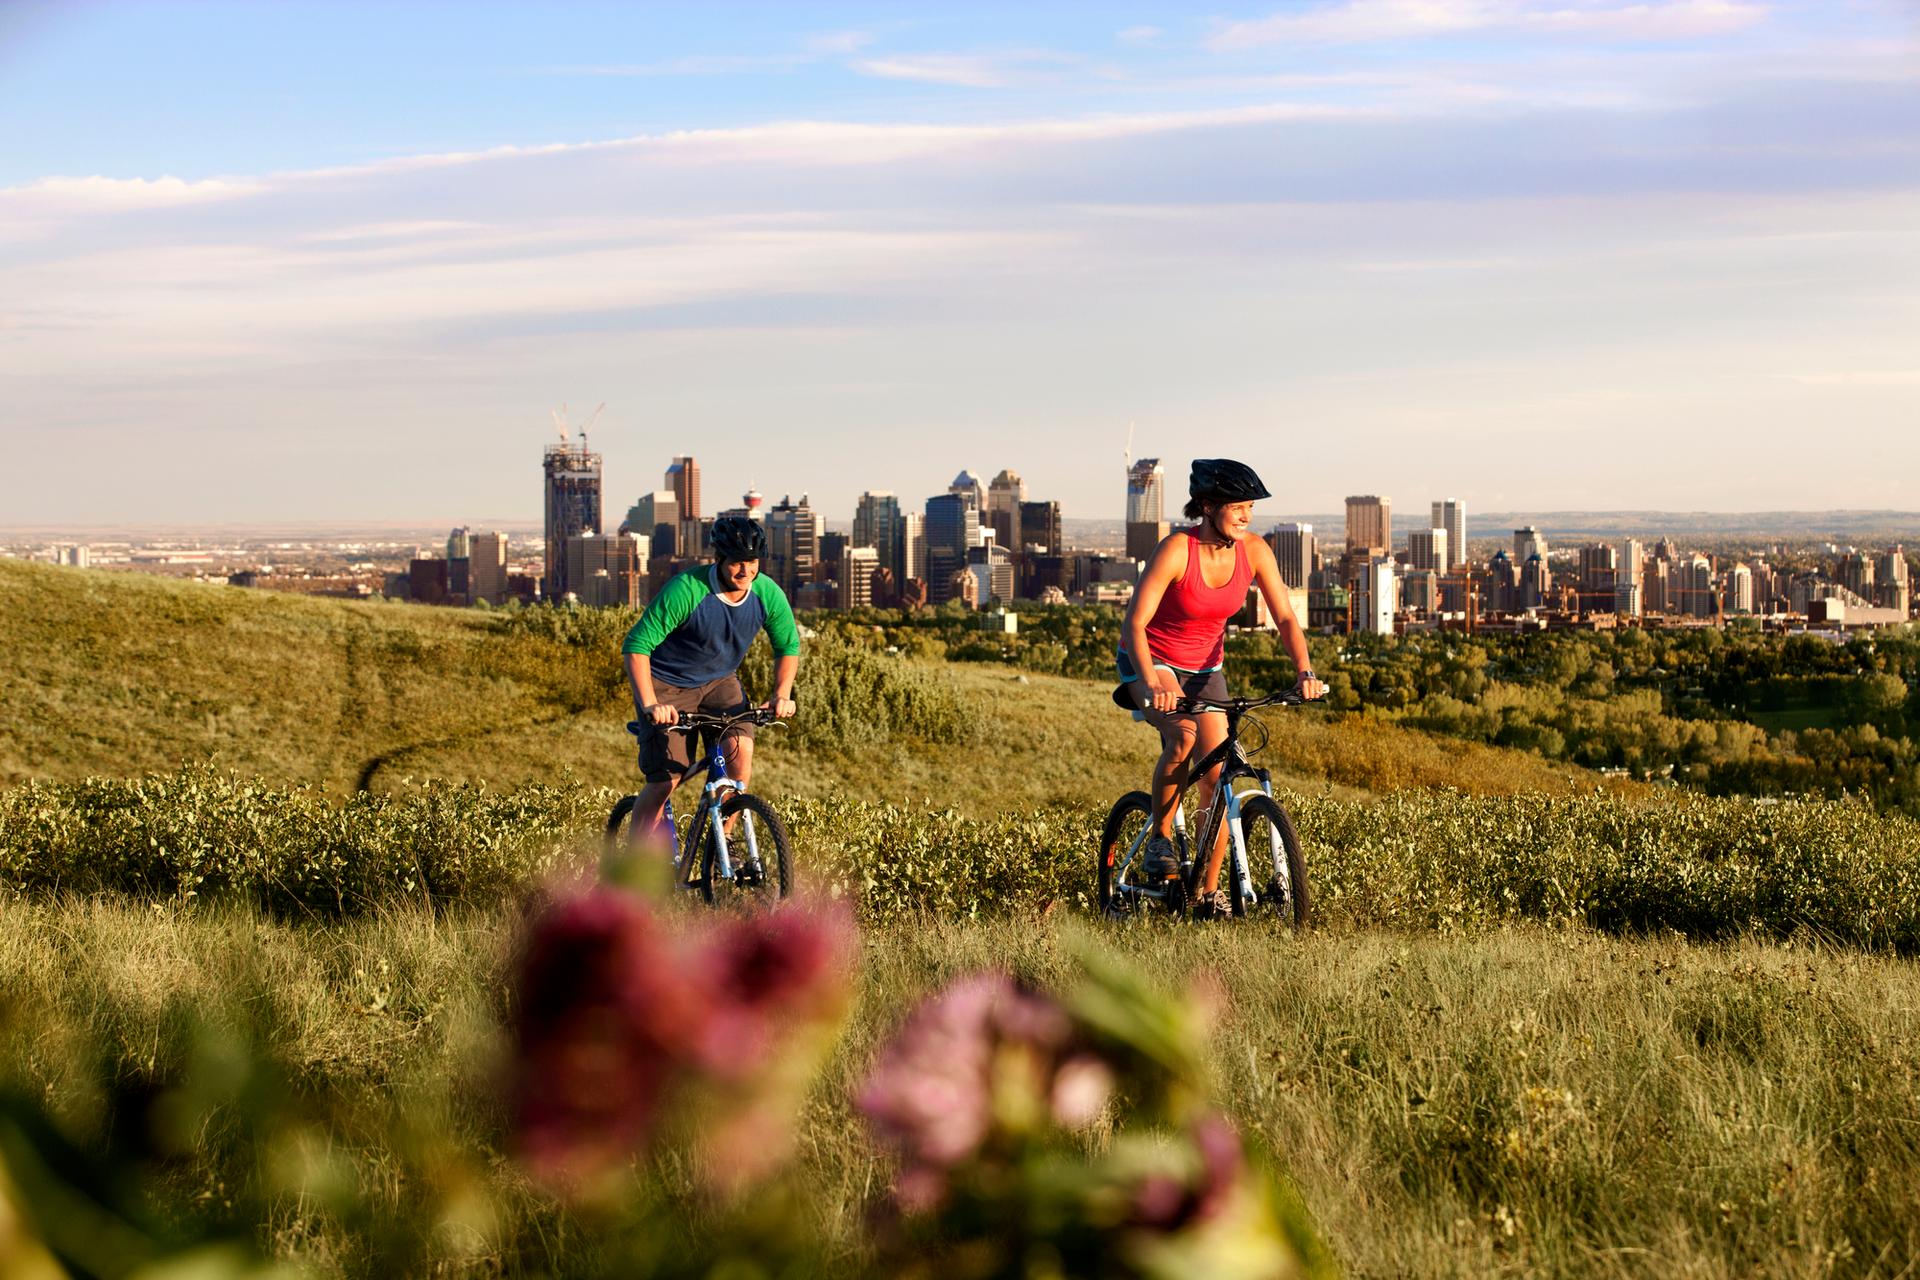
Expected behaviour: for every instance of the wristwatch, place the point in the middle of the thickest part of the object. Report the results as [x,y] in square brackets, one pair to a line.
[1306,676]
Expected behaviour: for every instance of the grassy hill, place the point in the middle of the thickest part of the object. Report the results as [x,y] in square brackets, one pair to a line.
[117,674]
[1550,1026]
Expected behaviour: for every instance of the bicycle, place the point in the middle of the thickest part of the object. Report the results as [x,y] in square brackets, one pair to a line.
[753,879]
[1255,820]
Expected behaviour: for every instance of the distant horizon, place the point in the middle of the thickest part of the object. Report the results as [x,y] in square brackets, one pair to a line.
[1843,521]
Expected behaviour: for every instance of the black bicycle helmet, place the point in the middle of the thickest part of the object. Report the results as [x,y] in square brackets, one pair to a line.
[1224,480]
[738,538]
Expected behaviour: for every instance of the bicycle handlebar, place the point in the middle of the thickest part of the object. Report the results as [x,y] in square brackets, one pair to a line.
[1284,698]
[692,720]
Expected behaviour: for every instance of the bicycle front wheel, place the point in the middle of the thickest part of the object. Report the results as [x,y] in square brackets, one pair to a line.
[1127,821]
[760,854]
[1269,832]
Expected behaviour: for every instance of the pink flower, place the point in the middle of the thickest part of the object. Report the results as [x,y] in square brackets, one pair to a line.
[765,973]
[598,1020]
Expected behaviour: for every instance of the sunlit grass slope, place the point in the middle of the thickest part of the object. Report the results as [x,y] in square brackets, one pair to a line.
[117,674]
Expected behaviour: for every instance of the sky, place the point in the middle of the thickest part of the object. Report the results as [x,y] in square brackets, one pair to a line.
[338,262]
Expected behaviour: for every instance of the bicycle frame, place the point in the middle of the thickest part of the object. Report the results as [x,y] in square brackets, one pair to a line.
[707,814]
[1234,766]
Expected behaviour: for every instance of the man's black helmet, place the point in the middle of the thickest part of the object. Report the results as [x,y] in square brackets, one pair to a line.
[737,538]
[1224,480]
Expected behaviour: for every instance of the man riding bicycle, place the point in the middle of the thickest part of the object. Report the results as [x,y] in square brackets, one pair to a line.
[684,656]
[1173,643]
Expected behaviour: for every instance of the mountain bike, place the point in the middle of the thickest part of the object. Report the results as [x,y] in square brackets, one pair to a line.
[1258,826]
[750,866]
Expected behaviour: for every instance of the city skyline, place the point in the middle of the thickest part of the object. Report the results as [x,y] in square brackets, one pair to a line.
[353,255]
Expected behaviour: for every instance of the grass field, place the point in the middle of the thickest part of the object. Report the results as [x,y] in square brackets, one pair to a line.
[1459,1073]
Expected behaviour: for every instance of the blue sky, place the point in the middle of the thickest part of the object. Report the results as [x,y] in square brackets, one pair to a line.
[266,261]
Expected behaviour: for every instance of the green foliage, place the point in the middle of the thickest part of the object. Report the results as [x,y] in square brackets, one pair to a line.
[852,695]
[1701,866]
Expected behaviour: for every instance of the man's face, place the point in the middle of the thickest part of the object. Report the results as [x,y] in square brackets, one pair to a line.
[738,575]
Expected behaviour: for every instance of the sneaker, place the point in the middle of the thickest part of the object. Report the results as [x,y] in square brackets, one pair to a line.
[1160,862]
[1212,905]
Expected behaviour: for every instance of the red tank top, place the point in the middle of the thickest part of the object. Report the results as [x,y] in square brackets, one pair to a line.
[1189,629]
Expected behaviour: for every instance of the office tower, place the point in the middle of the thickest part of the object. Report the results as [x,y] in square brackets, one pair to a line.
[1369,525]
[459,549]
[427,580]
[1451,514]
[1528,542]
[952,528]
[992,566]
[1379,597]
[876,524]
[793,543]
[1006,492]
[967,485]
[683,478]
[1629,567]
[1856,574]
[1892,581]
[1294,548]
[1146,508]
[1598,578]
[1656,586]
[828,564]
[1691,588]
[857,569]
[573,506]
[913,546]
[1536,584]
[606,570]
[1428,550]
[1739,589]
[459,544]
[1039,529]
[487,567]
[655,517]
[1500,589]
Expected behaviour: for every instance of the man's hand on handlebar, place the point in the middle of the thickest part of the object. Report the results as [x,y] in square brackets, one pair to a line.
[782,708]
[661,713]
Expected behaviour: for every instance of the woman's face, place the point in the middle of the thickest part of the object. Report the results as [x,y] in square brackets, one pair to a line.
[1232,519]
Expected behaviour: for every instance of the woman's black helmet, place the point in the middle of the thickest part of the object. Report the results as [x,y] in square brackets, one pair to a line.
[1224,480]
[737,538]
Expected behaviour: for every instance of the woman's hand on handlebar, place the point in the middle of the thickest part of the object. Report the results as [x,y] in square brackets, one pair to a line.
[1166,693]
[1311,687]
[661,713]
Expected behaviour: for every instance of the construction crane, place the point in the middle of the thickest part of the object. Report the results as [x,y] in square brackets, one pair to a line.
[1129,452]
[588,424]
[560,421]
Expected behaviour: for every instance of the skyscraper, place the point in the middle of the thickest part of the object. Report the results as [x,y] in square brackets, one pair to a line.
[606,571]
[683,477]
[793,543]
[1039,527]
[1146,508]
[1451,514]
[1528,542]
[1294,548]
[952,528]
[1739,589]
[655,517]
[1892,581]
[855,574]
[573,506]
[1428,550]
[487,567]
[1599,577]
[968,486]
[1369,524]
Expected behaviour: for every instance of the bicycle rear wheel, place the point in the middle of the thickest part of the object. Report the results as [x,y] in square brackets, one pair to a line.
[1269,832]
[759,850]
[619,837]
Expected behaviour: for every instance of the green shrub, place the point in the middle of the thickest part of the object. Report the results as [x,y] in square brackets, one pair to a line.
[1698,865]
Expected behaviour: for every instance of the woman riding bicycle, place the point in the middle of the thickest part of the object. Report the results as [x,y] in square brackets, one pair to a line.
[1197,579]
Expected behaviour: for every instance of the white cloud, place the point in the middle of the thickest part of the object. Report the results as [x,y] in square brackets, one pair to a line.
[107,194]
[838,42]
[1139,35]
[1357,21]
[965,70]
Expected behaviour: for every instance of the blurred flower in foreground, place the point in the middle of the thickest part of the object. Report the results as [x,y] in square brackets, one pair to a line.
[989,1093]
[616,1021]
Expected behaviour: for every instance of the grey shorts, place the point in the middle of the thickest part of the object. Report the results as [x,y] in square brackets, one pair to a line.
[666,753]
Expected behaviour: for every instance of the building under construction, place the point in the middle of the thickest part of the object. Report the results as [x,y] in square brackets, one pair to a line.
[573,507]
